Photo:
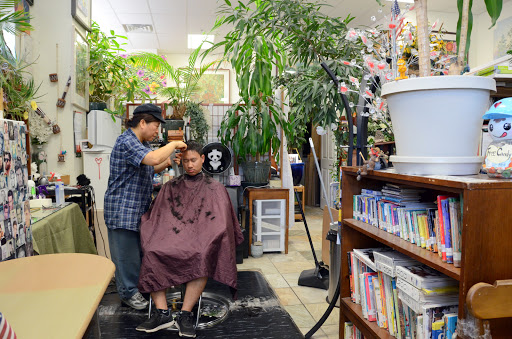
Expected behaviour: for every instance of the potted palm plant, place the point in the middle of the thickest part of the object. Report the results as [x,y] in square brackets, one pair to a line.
[437,120]
[184,82]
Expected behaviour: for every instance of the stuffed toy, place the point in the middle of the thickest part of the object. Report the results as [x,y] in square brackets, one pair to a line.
[498,156]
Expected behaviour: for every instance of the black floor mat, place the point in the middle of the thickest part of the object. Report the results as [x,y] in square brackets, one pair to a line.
[256,314]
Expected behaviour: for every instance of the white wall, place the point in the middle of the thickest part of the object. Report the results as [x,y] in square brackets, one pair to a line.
[51,46]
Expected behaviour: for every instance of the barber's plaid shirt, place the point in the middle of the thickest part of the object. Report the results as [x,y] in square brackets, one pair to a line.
[130,183]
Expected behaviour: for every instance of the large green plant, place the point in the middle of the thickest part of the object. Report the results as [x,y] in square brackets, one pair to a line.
[109,76]
[185,79]
[15,80]
[279,33]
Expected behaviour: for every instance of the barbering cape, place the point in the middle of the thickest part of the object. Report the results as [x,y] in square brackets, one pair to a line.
[189,232]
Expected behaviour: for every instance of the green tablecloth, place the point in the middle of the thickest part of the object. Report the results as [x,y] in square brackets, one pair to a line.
[63,231]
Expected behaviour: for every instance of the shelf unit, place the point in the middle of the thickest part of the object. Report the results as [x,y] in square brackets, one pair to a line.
[269,223]
[486,237]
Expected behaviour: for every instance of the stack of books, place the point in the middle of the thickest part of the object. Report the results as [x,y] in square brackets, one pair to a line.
[437,227]
[407,298]
[425,296]
[352,332]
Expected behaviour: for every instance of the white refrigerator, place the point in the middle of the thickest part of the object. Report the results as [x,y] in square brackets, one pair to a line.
[102,134]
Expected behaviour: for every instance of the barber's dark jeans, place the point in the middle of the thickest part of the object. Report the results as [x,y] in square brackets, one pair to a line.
[126,255]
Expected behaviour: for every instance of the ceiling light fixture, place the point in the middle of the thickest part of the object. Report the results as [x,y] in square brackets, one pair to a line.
[138,28]
[194,40]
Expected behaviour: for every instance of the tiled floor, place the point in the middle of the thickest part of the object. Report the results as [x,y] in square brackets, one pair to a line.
[306,305]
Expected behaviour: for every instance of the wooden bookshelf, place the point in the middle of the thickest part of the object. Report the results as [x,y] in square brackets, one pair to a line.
[355,314]
[486,237]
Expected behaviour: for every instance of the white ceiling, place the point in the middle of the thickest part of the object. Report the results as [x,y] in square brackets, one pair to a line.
[173,20]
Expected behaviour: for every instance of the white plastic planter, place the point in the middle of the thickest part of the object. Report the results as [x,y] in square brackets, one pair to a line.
[437,123]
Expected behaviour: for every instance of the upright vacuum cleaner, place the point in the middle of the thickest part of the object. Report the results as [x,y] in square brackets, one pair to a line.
[317,277]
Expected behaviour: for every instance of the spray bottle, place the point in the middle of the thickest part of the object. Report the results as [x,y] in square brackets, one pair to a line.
[31,188]
[59,192]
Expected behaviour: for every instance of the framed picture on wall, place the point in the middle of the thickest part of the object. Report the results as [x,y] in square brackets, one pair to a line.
[80,78]
[81,12]
[214,87]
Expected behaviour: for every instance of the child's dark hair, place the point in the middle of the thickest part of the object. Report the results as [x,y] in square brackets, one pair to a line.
[134,122]
[193,145]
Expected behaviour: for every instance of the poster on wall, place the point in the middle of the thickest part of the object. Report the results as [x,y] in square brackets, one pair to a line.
[15,224]
[502,37]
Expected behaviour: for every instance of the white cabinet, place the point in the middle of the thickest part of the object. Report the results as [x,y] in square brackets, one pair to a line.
[269,223]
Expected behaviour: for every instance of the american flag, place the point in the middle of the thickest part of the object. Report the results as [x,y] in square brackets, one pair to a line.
[395,13]
[6,331]
[395,9]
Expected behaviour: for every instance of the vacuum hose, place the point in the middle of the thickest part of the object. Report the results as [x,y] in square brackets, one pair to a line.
[351,145]
[326,314]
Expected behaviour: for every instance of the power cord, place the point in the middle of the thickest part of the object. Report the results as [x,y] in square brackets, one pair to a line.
[95,211]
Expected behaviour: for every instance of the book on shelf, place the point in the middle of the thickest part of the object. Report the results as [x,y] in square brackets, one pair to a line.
[422,276]
[364,296]
[450,324]
[436,314]
[371,308]
[388,261]
[395,309]
[447,231]
[384,304]
[378,301]
[366,255]
[435,295]
[456,226]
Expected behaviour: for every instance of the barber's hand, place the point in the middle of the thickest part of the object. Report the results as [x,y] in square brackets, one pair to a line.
[180,145]
[177,158]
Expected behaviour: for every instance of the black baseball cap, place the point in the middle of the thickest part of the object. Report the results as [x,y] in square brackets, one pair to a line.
[150,109]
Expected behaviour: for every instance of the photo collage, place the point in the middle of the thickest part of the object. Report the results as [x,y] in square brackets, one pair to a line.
[15,228]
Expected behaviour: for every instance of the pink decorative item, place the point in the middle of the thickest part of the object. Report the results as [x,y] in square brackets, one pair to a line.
[98,161]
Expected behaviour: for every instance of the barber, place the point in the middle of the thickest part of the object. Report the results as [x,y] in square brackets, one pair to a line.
[128,196]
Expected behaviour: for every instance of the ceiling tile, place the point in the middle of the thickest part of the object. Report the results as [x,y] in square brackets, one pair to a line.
[198,24]
[202,7]
[143,40]
[165,24]
[135,19]
[171,7]
[170,42]
[130,6]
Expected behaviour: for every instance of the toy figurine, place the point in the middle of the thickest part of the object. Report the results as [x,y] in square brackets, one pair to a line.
[402,69]
[498,156]
[367,164]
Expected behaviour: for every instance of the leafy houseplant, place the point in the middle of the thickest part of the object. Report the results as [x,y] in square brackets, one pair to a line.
[109,76]
[281,33]
[16,82]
